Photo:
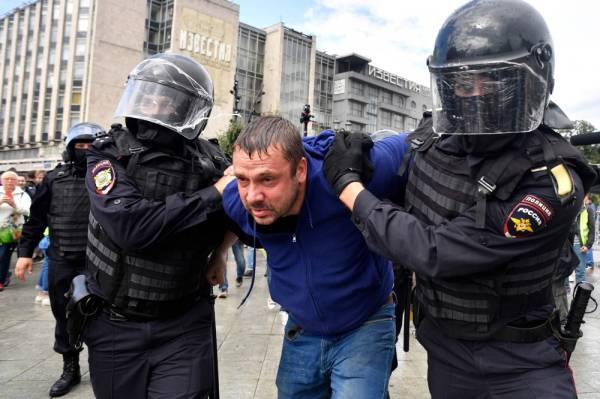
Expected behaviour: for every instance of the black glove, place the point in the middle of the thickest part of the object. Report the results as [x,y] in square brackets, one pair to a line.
[348,160]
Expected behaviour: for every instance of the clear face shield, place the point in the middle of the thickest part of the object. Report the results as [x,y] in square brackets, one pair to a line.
[495,99]
[158,91]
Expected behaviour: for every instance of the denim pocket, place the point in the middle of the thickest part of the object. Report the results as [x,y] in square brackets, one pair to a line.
[385,313]
[292,331]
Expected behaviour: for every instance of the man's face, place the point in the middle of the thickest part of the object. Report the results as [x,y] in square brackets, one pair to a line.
[82,145]
[9,182]
[474,85]
[39,177]
[21,181]
[268,186]
[154,105]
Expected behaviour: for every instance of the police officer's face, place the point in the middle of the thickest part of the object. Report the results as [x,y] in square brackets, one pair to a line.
[473,85]
[268,185]
[156,105]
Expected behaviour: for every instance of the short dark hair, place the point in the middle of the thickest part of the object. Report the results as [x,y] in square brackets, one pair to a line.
[268,131]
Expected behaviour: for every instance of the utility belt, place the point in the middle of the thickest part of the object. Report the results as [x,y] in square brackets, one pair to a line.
[171,310]
[528,333]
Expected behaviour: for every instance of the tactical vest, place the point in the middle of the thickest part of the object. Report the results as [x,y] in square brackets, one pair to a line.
[157,281]
[440,187]
[68,214]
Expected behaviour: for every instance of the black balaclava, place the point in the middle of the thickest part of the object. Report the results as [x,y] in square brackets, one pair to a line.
[156,136]
[79,159]
[488,144]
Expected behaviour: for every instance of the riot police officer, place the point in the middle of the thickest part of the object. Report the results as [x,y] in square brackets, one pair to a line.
[61,204]
[156,217]
[491,195]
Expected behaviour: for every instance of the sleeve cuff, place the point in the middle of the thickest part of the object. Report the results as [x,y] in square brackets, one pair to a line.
[363,206]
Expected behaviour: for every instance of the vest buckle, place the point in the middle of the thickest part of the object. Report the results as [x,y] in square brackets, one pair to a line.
[489,187]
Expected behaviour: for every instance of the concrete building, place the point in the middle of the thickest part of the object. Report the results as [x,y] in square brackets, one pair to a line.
[66,61]
[367,99]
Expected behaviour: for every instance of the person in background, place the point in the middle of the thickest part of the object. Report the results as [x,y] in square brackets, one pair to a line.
[583,234]
[14,206]
[21,181]
[61,205]
[238,253]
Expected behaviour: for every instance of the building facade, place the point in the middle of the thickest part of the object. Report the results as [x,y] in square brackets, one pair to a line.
[66,61]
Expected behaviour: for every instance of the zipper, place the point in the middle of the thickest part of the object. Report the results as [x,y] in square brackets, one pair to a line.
[308,285]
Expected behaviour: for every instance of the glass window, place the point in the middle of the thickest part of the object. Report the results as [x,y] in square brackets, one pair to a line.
[83,23]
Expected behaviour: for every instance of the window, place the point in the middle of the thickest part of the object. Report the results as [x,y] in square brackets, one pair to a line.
[357,109]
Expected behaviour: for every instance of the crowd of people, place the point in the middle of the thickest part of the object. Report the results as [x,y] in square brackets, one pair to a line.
[481,208]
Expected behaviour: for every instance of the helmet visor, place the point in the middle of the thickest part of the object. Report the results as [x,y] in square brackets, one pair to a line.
[161,93]
[506,98]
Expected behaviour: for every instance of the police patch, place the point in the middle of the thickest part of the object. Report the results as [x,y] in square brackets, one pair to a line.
[104,177]
[528,216]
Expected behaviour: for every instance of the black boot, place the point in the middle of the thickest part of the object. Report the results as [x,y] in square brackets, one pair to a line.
[70,377]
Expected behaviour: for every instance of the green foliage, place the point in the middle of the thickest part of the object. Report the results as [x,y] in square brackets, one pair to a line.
[228,137]
[591,152]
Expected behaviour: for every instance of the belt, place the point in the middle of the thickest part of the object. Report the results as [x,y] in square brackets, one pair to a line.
[529,334]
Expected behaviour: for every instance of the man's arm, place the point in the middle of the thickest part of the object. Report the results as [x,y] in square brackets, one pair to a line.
[457,247]
[134,222]
[33,229]
[591,228]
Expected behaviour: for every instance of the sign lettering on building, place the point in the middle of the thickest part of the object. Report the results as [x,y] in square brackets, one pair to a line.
[396,80]
[205,45]
[339,86]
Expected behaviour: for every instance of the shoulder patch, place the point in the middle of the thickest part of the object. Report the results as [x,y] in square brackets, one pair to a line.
[531,214]
[104,177]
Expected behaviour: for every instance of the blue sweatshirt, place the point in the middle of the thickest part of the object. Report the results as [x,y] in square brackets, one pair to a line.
[323,274]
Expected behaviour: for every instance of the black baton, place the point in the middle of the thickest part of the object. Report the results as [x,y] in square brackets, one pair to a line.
[215,390]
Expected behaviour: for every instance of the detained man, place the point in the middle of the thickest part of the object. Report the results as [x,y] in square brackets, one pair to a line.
[339,338]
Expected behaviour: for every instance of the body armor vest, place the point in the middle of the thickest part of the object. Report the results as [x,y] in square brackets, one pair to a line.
[68,214]
[440,187]
[152,282]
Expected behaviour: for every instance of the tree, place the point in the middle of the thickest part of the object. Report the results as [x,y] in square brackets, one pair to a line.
[228,137]
[590,152]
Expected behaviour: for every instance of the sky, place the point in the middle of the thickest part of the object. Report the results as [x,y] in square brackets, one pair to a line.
[398,35]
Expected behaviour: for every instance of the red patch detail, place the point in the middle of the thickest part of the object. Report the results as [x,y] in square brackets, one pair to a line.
[528,216]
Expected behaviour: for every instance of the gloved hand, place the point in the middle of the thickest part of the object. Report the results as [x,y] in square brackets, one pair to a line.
[348,160]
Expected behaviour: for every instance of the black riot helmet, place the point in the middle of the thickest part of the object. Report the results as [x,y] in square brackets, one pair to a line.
[491,69]
[170,90]
[84,132]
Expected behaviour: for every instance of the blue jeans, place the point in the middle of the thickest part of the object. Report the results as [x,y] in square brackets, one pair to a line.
[352,365]
[580,269]
[42,284]
[238,254]
[250,258]
[6,251]
[589,257]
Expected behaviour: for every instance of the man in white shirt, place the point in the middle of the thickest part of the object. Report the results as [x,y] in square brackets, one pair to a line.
[14,206]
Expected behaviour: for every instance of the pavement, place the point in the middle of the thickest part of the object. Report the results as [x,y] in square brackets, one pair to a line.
[249,342]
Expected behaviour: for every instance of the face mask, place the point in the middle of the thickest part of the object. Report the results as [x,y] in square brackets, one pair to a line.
[158,136]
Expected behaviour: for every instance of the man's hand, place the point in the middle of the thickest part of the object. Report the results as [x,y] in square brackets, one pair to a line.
[228,176]
[217,264]
[8,200]
[22,265]
[346,162]
[215,273]
[583,249]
